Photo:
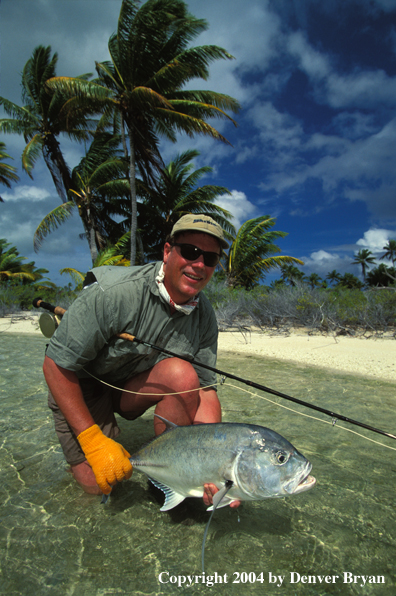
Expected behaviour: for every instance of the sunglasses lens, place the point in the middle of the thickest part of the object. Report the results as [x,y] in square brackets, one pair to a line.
[192,253]
[211,259]
[189,252]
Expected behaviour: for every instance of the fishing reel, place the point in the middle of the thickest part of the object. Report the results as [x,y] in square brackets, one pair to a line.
[49,321]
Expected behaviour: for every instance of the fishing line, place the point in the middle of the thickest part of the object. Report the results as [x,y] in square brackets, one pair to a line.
[275,403]
[309,416]
[138,393]
[132,338]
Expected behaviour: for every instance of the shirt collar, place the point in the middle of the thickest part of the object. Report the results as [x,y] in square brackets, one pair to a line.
[163,292]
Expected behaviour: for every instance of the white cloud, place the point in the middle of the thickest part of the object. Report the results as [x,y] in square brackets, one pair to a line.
[361,88]
[322,256]
[358,170]
[315,64]
[375,239]
[32,193]
[278,129]
[239,205]
[322,262]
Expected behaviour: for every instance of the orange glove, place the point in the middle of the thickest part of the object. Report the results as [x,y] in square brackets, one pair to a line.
[108,459]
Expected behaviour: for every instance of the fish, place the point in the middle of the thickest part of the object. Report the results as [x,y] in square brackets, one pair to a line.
[246,462]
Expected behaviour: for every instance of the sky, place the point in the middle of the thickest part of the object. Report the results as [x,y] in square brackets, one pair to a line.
[315,145]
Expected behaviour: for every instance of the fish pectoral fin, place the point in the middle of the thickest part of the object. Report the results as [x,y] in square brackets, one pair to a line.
[220,499]
[226,501]
[172,498]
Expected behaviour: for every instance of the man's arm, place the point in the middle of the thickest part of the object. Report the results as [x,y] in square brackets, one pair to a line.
[108,459]
[67,393]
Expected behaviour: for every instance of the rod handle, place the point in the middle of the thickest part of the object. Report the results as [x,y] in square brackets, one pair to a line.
[57,310]
[126,336]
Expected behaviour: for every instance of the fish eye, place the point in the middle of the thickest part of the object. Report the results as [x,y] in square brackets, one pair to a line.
[281,457]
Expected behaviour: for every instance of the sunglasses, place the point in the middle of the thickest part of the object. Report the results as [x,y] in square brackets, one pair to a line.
[192,253]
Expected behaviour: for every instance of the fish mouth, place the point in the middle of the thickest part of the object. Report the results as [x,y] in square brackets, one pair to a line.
[306,482]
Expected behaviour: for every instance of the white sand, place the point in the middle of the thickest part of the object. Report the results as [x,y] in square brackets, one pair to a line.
[22,322]
[373,357]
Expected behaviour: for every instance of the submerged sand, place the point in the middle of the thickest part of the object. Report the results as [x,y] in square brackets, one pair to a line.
[373,357]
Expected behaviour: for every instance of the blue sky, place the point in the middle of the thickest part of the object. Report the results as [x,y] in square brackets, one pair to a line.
[315,145]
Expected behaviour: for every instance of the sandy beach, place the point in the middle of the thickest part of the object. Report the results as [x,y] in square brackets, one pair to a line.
[370,357]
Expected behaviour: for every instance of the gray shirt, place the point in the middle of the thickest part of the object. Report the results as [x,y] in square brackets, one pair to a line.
[126,299]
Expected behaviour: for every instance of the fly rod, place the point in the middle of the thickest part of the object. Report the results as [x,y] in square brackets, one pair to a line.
[132,338]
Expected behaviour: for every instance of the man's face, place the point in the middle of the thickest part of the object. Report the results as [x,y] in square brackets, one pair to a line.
[183,278]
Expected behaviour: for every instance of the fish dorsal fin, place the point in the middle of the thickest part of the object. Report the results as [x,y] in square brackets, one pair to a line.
[167,422]
[172,498]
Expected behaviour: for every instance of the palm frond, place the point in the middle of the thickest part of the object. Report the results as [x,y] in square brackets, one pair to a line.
[77,276]
[31,153]
[51,222]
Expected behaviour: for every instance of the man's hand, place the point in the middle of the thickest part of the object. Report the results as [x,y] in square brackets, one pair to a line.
[209,492]
[108,459]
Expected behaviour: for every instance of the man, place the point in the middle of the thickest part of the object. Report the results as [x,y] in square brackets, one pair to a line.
[160,303]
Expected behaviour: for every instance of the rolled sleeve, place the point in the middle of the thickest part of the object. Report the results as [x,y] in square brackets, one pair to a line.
[85,328]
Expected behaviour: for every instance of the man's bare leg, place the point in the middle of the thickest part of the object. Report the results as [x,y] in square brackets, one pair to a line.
[172,386]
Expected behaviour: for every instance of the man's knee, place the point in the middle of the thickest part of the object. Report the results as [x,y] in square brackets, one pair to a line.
[180,374]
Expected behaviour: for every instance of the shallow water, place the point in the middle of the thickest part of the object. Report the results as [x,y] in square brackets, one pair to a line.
[55,540]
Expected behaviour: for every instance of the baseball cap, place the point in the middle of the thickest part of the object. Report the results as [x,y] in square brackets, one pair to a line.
[200,223]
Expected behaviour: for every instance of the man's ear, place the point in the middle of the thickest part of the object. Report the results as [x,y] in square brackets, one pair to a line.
[167,250]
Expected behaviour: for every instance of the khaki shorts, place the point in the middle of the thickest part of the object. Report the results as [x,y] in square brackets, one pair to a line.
[102,402]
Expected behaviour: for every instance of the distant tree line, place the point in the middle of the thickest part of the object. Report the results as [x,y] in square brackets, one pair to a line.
[382,275]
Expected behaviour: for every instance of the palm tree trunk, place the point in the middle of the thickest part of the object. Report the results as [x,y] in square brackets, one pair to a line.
[91,238]
[132,183]
[57,166]
[92,245]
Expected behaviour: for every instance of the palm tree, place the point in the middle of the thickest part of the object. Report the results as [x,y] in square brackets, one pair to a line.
[11,266]
[251,253]
[314,280]
[291,274]
[42,118]
[100,183]
[111,255]
[364,258]
[381,276]
[348,280]
[390,251]
[7,172]
[277,284]
[150,63]
[333,276]
[175,194]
